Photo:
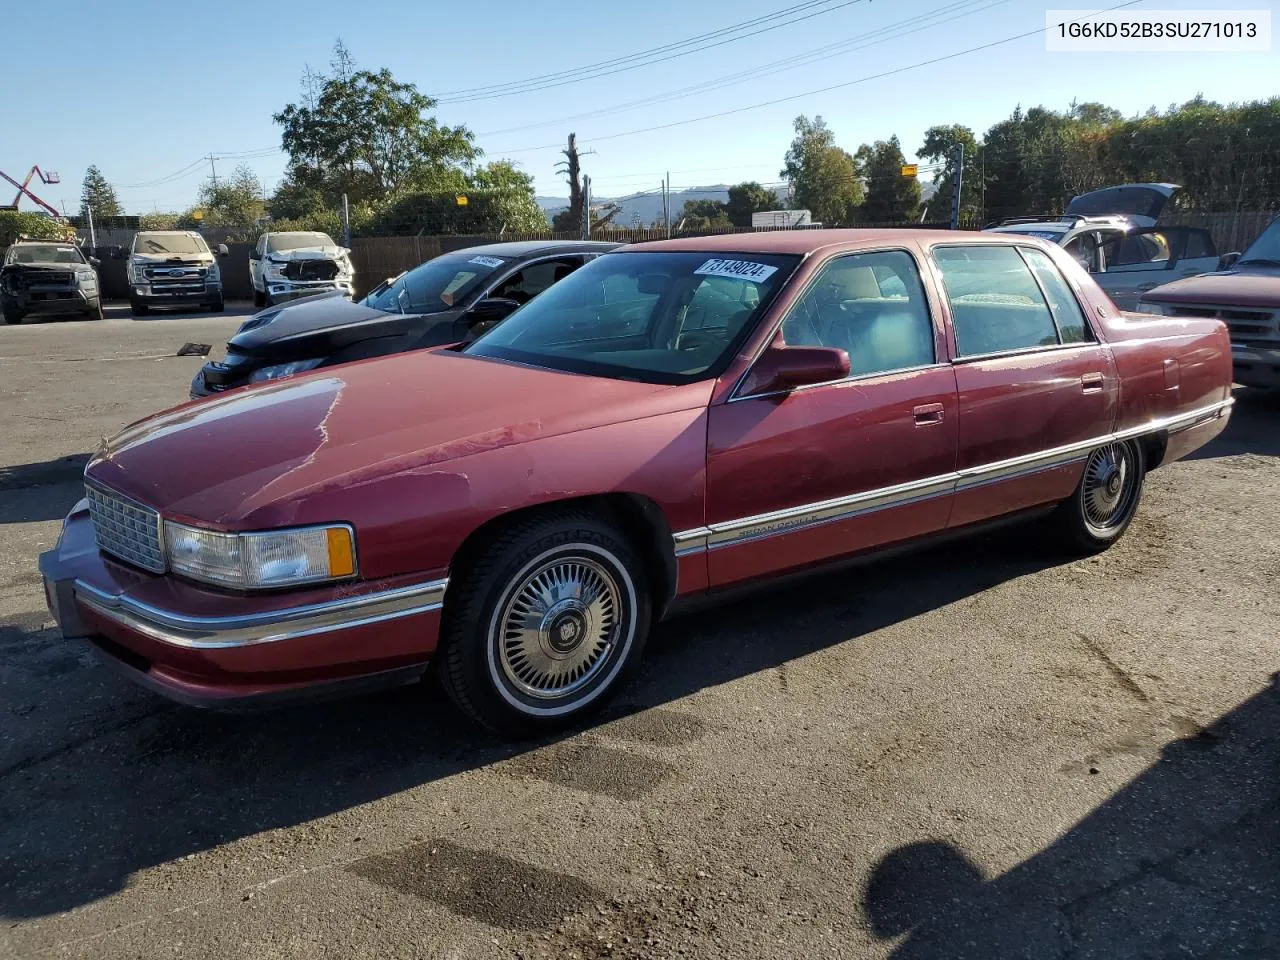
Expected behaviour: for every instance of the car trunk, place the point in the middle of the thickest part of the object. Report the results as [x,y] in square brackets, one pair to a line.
[1144,202]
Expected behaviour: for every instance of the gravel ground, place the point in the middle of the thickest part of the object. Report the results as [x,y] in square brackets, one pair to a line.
[979,751]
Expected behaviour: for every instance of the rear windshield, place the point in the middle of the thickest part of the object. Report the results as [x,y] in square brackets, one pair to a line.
[150,243]
[40,253]
[298,241]
[647,316]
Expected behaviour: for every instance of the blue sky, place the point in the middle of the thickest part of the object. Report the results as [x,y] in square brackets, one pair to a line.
[143,91]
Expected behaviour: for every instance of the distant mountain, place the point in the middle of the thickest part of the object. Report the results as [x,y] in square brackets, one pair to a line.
[649,206]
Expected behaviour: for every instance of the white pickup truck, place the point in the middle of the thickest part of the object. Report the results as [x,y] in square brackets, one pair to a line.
[285,266]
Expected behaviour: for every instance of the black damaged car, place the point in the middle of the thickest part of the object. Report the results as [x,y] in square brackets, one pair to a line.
[445,300]
[48,278]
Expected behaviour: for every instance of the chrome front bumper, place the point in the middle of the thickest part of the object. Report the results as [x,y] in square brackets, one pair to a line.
[279,290]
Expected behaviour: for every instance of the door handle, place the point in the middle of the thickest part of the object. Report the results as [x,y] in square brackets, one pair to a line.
[1147,286]
[927,413]
[1091,383]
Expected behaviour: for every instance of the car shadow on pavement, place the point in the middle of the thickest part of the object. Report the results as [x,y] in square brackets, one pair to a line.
[1184,861]
[1251,429]
[35,492]
[87,798]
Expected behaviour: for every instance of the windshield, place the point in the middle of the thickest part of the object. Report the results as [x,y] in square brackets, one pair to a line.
[298,241]
[41,253]
[151,243]
[652,317]
[1266,249]
[436,285]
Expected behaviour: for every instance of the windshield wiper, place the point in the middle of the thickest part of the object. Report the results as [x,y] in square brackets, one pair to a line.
[1270,261]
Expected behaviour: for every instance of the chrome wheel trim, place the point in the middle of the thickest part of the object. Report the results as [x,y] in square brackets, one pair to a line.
[514,629]
[1109,487]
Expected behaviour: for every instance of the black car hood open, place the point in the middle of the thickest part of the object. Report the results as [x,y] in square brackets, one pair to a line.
[318,326]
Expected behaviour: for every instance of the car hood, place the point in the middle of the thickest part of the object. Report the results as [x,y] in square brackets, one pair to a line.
[319,324]
[202,259]
[253,458]
[306,253]
[1231,288]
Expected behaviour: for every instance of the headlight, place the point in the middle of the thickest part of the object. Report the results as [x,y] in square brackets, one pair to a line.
[255,561]
[275,270]
[139,272]
[1144,307]
[344,268]
[284,369]
[85,276]
[214,275]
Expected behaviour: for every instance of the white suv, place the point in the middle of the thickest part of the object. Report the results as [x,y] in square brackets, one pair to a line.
[285,266]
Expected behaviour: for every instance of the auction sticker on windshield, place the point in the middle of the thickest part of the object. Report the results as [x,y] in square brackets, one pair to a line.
[486,261]
[739,269]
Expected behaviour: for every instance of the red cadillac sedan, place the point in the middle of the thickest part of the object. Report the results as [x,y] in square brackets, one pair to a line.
[672,420]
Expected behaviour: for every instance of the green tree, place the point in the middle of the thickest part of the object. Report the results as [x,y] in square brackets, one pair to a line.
[939,144]
[823,176]
[512,202]
[233,202]
[890,196]
[98,196]
[365,134]
[35,225]
[748,198]
[703,215]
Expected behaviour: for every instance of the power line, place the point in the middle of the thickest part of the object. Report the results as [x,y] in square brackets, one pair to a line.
[827,89]
[190,168]
[608,68]
[872,38]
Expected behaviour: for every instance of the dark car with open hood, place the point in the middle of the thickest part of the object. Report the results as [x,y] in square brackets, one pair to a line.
[445,300]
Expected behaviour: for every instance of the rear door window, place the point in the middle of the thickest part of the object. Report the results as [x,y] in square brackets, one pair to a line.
[996,304]
[1062,302]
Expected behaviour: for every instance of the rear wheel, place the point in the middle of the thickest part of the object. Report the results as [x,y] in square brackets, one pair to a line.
[1106,498]
[545,625]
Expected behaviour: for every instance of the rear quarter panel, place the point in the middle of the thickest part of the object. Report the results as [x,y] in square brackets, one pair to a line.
[1166,365]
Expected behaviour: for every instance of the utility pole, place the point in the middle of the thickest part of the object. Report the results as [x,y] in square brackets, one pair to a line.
[666,203]
[93,240]
[586,207]
[346,223]
[213,170]
[958,161]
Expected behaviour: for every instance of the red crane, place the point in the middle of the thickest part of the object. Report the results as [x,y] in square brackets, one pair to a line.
[49,177]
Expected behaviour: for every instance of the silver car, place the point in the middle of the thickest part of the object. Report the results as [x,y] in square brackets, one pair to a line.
[1124,249]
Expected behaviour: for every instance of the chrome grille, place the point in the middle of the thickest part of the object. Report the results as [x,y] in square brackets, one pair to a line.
[126,530]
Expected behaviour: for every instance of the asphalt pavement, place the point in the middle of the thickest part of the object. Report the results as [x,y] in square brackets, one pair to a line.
[984,750]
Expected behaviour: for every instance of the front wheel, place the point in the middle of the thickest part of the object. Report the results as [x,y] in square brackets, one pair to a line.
[545,624]
[138,309]
[217,306]
[12,317]
[94,312]
[1106,498]
[259,298]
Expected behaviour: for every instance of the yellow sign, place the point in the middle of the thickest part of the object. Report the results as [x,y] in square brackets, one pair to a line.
[197,214]
[910,169]
[462,199]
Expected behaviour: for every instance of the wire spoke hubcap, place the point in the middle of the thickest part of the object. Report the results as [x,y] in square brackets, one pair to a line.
[1108,488]
[558,627]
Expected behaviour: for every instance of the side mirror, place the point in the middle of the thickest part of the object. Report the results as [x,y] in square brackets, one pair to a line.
[95,262]
[253,255]
[783,368]
[222,250]
[491,310]
[117,253]
[1228,260]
